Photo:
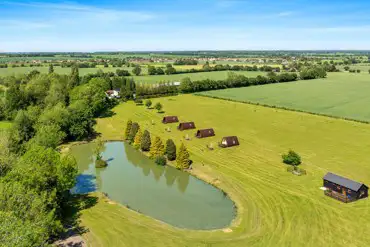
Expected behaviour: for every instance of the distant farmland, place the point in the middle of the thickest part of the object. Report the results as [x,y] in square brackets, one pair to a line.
[341,95]
[214,75]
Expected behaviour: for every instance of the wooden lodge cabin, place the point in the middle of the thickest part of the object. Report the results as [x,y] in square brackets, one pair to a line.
[344,189]
[205,133]
[170,119]
[186,126]
[229,141]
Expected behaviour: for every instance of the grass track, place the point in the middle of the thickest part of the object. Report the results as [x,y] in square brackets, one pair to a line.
[275,208]
[342,95]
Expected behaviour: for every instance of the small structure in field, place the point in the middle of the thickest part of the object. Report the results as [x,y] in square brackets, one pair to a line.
[205,133]
[170,119]
[229,141]
[113,94]
[344,189]
[186,126]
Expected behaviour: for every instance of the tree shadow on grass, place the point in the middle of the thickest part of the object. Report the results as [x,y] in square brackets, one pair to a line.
[72,213]
[161,112]
[107,114]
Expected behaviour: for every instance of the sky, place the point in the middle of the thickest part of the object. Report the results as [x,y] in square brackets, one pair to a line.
[163,25]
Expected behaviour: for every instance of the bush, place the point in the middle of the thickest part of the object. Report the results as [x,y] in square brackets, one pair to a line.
[170,150]
[139,101]
[148,103]
[161,160]
[292,158]
[101,163]
[145,141]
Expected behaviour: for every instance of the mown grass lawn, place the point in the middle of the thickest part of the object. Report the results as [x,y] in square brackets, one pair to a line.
[341,95]
[275,208]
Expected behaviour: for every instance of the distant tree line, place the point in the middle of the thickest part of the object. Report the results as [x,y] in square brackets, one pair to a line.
[186,61]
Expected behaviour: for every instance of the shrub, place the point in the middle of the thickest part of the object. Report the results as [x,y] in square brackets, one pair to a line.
[145,141]
[170,150]
[157,148]
[100,163]
[148,103]
[137,140]
[158,106]
[128,129]
[134,129]
[291,158]
[139,101]
[161,160]
[182,161]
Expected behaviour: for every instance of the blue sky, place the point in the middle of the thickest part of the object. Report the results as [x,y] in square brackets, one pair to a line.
[143,25]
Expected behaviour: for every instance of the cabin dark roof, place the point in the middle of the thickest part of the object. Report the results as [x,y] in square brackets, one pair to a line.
[170,119]
[186,125]
[205,133]
[345,182]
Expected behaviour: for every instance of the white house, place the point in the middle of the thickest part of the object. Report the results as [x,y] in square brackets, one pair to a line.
[113,94]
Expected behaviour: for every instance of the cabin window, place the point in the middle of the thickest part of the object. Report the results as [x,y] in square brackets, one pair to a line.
[224,142]
[233,141]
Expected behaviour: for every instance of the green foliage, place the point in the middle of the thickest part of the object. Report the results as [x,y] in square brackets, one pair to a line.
[182,161]
[291,158]
[137,70]
[170,150]
[49,136]
[161,160]
[122,72]
[146,141]
[100,163]
[7,158]
[158,106]
[157,148]
[80,122]
[134,129]
[51,68]
[148,103]
[99,147]
[137,140]
[128,129]
[74,77]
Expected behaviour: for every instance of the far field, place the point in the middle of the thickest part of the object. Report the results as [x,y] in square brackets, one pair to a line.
[214,75]
[341,95]
[275,208]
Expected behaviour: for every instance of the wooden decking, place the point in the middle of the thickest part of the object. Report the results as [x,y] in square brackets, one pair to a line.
[338,196]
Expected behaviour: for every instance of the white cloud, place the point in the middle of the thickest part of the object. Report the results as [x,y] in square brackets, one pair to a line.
[76,9]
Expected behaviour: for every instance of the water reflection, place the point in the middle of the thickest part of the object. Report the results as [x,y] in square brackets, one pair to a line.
[164,193]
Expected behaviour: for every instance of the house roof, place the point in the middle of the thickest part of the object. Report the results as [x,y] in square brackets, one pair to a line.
[345,182]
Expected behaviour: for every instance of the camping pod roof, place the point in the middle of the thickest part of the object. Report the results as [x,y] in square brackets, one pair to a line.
[205,132]
[187,125]
[230,138]
[345,182]
[170,119]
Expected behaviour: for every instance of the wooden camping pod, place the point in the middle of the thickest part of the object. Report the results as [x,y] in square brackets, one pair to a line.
[186,126]
[205,133]
[170,119]
[229,141]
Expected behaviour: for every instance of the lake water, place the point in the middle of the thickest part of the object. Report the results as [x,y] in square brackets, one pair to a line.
[164,193]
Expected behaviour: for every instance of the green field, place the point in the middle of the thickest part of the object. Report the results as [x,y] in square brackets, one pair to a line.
[364,67]
[214,75]
[59,70]
[5,125]
[275,208]
[341,95]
